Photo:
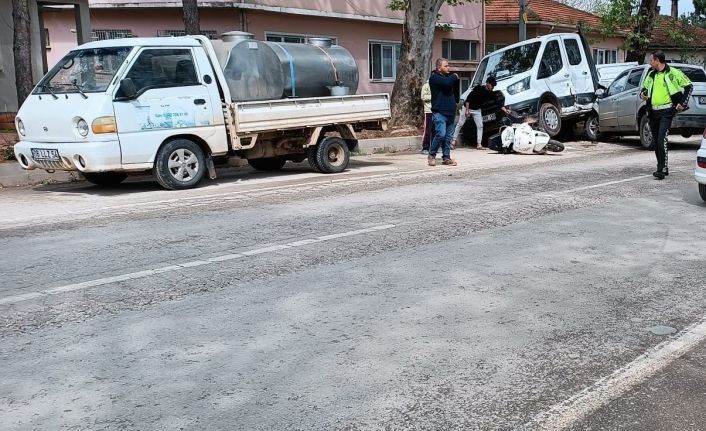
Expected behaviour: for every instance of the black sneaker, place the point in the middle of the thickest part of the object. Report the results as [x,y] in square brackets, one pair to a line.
[658,175]
[666,171]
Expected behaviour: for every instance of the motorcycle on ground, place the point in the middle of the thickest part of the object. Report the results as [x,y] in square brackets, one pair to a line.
[518,136]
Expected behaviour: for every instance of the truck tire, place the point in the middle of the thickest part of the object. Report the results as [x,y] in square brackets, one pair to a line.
[646,134]
[267,163]
[180,164]
[332,155]
[590,127]
[311,156]
[105,179]
[549,119]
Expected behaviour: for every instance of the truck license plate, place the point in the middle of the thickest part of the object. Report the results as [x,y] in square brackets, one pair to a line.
[489,117]
[45,154]
[702,100]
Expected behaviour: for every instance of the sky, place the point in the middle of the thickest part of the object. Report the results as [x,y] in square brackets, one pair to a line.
[685,6]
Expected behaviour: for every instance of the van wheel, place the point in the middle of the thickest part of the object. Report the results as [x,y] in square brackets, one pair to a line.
[268,163]
[332,155]
[646,134]
[105,179]
[180,164]
[549,119]
[702,191]
[590,127]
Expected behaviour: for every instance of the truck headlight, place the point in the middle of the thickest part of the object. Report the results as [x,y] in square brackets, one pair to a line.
[82,127]
[519,86]
[104,125]
[20,126]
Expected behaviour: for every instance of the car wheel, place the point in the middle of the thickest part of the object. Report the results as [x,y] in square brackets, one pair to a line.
[549,119]
[180,164]
[268,163]
[646,134]
[590,127]
[105,179]
[702,191]
[332,155]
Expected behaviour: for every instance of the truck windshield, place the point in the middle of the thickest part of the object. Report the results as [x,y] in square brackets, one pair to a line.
[85,70]
[506,64]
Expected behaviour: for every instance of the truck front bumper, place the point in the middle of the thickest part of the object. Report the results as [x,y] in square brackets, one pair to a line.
[92,156]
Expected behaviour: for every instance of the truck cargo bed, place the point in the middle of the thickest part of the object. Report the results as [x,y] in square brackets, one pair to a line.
[261,116]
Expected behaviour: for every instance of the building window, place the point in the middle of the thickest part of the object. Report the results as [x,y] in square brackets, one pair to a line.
[47,42]
[490,47]
[294,38]
[110,34]
[459,50]
[605,56]
[384,60]
[211,34]
[464,83]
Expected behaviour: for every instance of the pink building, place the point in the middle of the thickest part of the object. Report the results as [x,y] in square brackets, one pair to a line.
[368,29]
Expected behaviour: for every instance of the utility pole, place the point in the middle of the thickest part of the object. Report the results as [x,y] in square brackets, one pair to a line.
[523,26]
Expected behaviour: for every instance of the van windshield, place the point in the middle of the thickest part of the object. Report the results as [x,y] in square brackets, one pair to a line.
[508,63]
[85,70]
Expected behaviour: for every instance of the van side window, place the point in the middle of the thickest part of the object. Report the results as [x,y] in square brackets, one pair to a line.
[551,60]
[160,68]
[572,51]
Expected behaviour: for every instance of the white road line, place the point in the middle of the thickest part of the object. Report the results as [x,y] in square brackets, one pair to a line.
[567,413]
[149,272]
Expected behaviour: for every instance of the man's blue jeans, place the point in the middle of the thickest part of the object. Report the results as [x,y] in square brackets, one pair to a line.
[443,133]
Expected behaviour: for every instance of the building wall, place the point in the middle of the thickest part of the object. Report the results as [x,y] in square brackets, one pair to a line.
[353,34]
[8,92]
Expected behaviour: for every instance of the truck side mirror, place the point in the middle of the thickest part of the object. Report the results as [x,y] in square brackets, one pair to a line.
[127,89]
[600,93]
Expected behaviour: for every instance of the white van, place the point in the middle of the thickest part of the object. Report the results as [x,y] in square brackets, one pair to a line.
[608,72]
[553,76]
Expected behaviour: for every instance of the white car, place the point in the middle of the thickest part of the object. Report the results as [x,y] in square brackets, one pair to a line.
[700,170]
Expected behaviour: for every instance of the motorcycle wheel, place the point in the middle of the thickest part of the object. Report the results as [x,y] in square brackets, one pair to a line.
[554,146]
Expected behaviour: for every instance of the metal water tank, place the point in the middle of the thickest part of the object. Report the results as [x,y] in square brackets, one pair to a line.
[257,70]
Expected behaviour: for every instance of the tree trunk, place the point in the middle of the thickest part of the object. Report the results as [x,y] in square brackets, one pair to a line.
[415,62]
[191,16]
[22,49]
[642,33]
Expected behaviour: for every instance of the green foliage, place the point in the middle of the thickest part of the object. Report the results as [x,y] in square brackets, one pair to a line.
[402,4]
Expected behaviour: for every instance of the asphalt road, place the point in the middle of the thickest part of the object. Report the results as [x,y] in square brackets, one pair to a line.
[511,292]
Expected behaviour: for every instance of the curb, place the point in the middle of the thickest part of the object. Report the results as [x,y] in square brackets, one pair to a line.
[12,175]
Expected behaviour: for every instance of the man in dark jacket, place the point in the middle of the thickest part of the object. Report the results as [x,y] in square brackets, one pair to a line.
[482,98]
[443,109]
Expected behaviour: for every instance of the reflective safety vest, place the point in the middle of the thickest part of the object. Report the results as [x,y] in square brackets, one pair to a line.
[675,87]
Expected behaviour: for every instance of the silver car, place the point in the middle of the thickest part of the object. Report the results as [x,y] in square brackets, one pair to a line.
[621,112]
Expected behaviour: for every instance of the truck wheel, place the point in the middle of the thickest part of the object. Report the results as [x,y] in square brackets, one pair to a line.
[180,164]
[646,134]
[590,127]
[268,163]
[105,179]
[702,191]
[332,155]
[549,119]
[311,156]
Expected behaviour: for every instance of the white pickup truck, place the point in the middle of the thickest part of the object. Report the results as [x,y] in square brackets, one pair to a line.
[168,105]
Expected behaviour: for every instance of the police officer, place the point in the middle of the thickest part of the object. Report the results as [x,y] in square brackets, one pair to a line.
[667,91]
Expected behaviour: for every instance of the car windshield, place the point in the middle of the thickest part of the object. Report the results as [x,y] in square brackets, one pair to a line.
[508,63]
[84,71]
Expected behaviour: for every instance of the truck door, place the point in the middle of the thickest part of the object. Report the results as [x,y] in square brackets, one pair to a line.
[170,95]
[581,79]
[553,73]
